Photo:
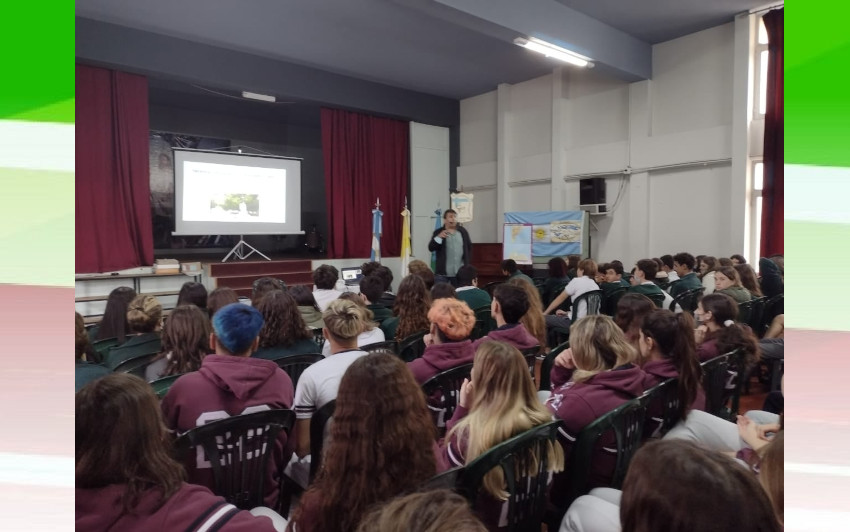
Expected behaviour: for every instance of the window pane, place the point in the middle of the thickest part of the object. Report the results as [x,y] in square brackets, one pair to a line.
[763,82]
[757,226]
[762,32]
[758,176]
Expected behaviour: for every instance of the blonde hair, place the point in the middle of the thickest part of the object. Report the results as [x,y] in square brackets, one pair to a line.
[533,319]
[504,404]
[426,511]
[144,313]
[343,319]
[367,315]
[598,345]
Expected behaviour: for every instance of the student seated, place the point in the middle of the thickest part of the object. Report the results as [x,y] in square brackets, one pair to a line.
[447,345]
[381,442]
[307,306]
[510,303]
[386,275]
[284,331]
[510,269]
[642,283]
[220,298]
[230,383]
[707,267]
[718,333]
[412,304]
[683,265]
[423,271]
[581,284]
[727,281]
[667,266]
[113,323]
[263,286]
[771,280]
[668,350]
[749,279]
[85,369]
[371,333]
[325,278]
[533,320]
[125,476]
[371,291]
[499,402]
[467,288]
[426,511]
[443,290]
[556,280]
[632,309]
[677,486]
[192,293]
[594,376]
[144,316]
[185,343]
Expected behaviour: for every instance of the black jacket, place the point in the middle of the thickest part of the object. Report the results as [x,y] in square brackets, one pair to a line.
[441,249]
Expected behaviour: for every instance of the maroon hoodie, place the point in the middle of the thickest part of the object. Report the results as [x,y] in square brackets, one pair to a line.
[658,371]
[578,404]
[513,333]
[440,357]
[191,509]
[228,386]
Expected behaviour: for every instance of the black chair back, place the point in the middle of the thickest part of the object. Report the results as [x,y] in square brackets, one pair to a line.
[489,287]
[319,337]
[548,362]
[447,480]
[389,345]
[445,388]
[294,365]
[318,427]
[239,449]
[136,365]
[609,305]
[484,323]
[773,307]
[757,315]
[530,355]
[592,299]
[688,299]
[162,385]
[723,378]
[662,408]
[412,347]
[524,461]
[658,299]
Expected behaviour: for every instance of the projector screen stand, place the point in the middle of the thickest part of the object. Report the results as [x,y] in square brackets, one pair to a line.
[239,250]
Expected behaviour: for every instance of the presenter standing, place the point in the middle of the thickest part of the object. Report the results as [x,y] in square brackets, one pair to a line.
[453,247]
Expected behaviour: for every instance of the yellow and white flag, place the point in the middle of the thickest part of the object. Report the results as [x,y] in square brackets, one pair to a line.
[405,241]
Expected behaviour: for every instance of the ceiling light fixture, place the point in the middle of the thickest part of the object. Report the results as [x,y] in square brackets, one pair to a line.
[550,50]
[261,97]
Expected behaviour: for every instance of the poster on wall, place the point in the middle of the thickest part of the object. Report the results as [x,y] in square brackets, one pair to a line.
[462,204]
[553,233]
[517,242]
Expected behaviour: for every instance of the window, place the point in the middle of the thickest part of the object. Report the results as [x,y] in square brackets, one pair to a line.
[755,211]
[760,74]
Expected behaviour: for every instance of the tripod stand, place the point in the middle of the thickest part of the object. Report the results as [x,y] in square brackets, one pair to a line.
[239,250]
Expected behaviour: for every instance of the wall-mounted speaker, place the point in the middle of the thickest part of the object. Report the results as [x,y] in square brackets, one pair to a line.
[592,191]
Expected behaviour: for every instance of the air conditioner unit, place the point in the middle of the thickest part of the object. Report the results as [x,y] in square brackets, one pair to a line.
[595,209]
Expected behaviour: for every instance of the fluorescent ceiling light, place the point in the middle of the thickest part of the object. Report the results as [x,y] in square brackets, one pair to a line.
[550,50]
[255,96]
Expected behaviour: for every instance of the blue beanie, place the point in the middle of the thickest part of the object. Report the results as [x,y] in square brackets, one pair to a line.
[236,325]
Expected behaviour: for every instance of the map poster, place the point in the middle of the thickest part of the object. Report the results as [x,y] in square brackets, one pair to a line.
[516,242]
[462,203]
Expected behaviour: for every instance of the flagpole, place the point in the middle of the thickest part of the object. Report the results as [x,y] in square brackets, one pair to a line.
[405,239]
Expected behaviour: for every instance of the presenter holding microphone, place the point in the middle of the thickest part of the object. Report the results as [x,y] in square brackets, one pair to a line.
[452,245]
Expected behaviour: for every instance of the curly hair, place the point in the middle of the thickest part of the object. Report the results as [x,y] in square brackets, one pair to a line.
[186,337]
[380,445]
[412,304]
[533,319]
[282,322]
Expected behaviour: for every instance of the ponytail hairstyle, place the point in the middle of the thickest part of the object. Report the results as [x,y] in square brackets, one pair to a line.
[674,335]
[731,335]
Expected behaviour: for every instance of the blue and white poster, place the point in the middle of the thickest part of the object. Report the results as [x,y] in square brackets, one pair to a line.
[554,233]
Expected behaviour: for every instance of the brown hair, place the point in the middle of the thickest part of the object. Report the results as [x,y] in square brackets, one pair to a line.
[749,280]
[282,322]
[677,486]
[380,445]
[588,268]
[120,439]
[557,268]
[186,337]
[192,293]
[304,296]
[421,270]
[772,473]
[533,319]
[412,304]
[82,346]
[367,315]
[674,335]
[427,511]
[144,314]
[219,298]
[709,261]
[325,277]
[631,311]
[730,273]
[114,324]
[734,336]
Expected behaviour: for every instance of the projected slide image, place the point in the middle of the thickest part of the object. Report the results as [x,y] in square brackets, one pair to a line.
[229,193]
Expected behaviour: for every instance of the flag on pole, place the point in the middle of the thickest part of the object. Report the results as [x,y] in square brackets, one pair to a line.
[405,239]
[438,224]
[377,215]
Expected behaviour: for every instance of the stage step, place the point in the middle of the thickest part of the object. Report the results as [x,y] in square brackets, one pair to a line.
[246,281]
[240,276]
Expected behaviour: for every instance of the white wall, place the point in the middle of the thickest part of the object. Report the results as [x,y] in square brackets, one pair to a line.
[429,181]
[674,132]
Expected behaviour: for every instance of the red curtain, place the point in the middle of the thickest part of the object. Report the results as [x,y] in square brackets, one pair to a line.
[773,193]
[365,158]
[113,211]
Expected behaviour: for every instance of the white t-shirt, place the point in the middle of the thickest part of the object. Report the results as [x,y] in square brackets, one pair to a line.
[324,297]
[578,286]
[364,338]
[319,383]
